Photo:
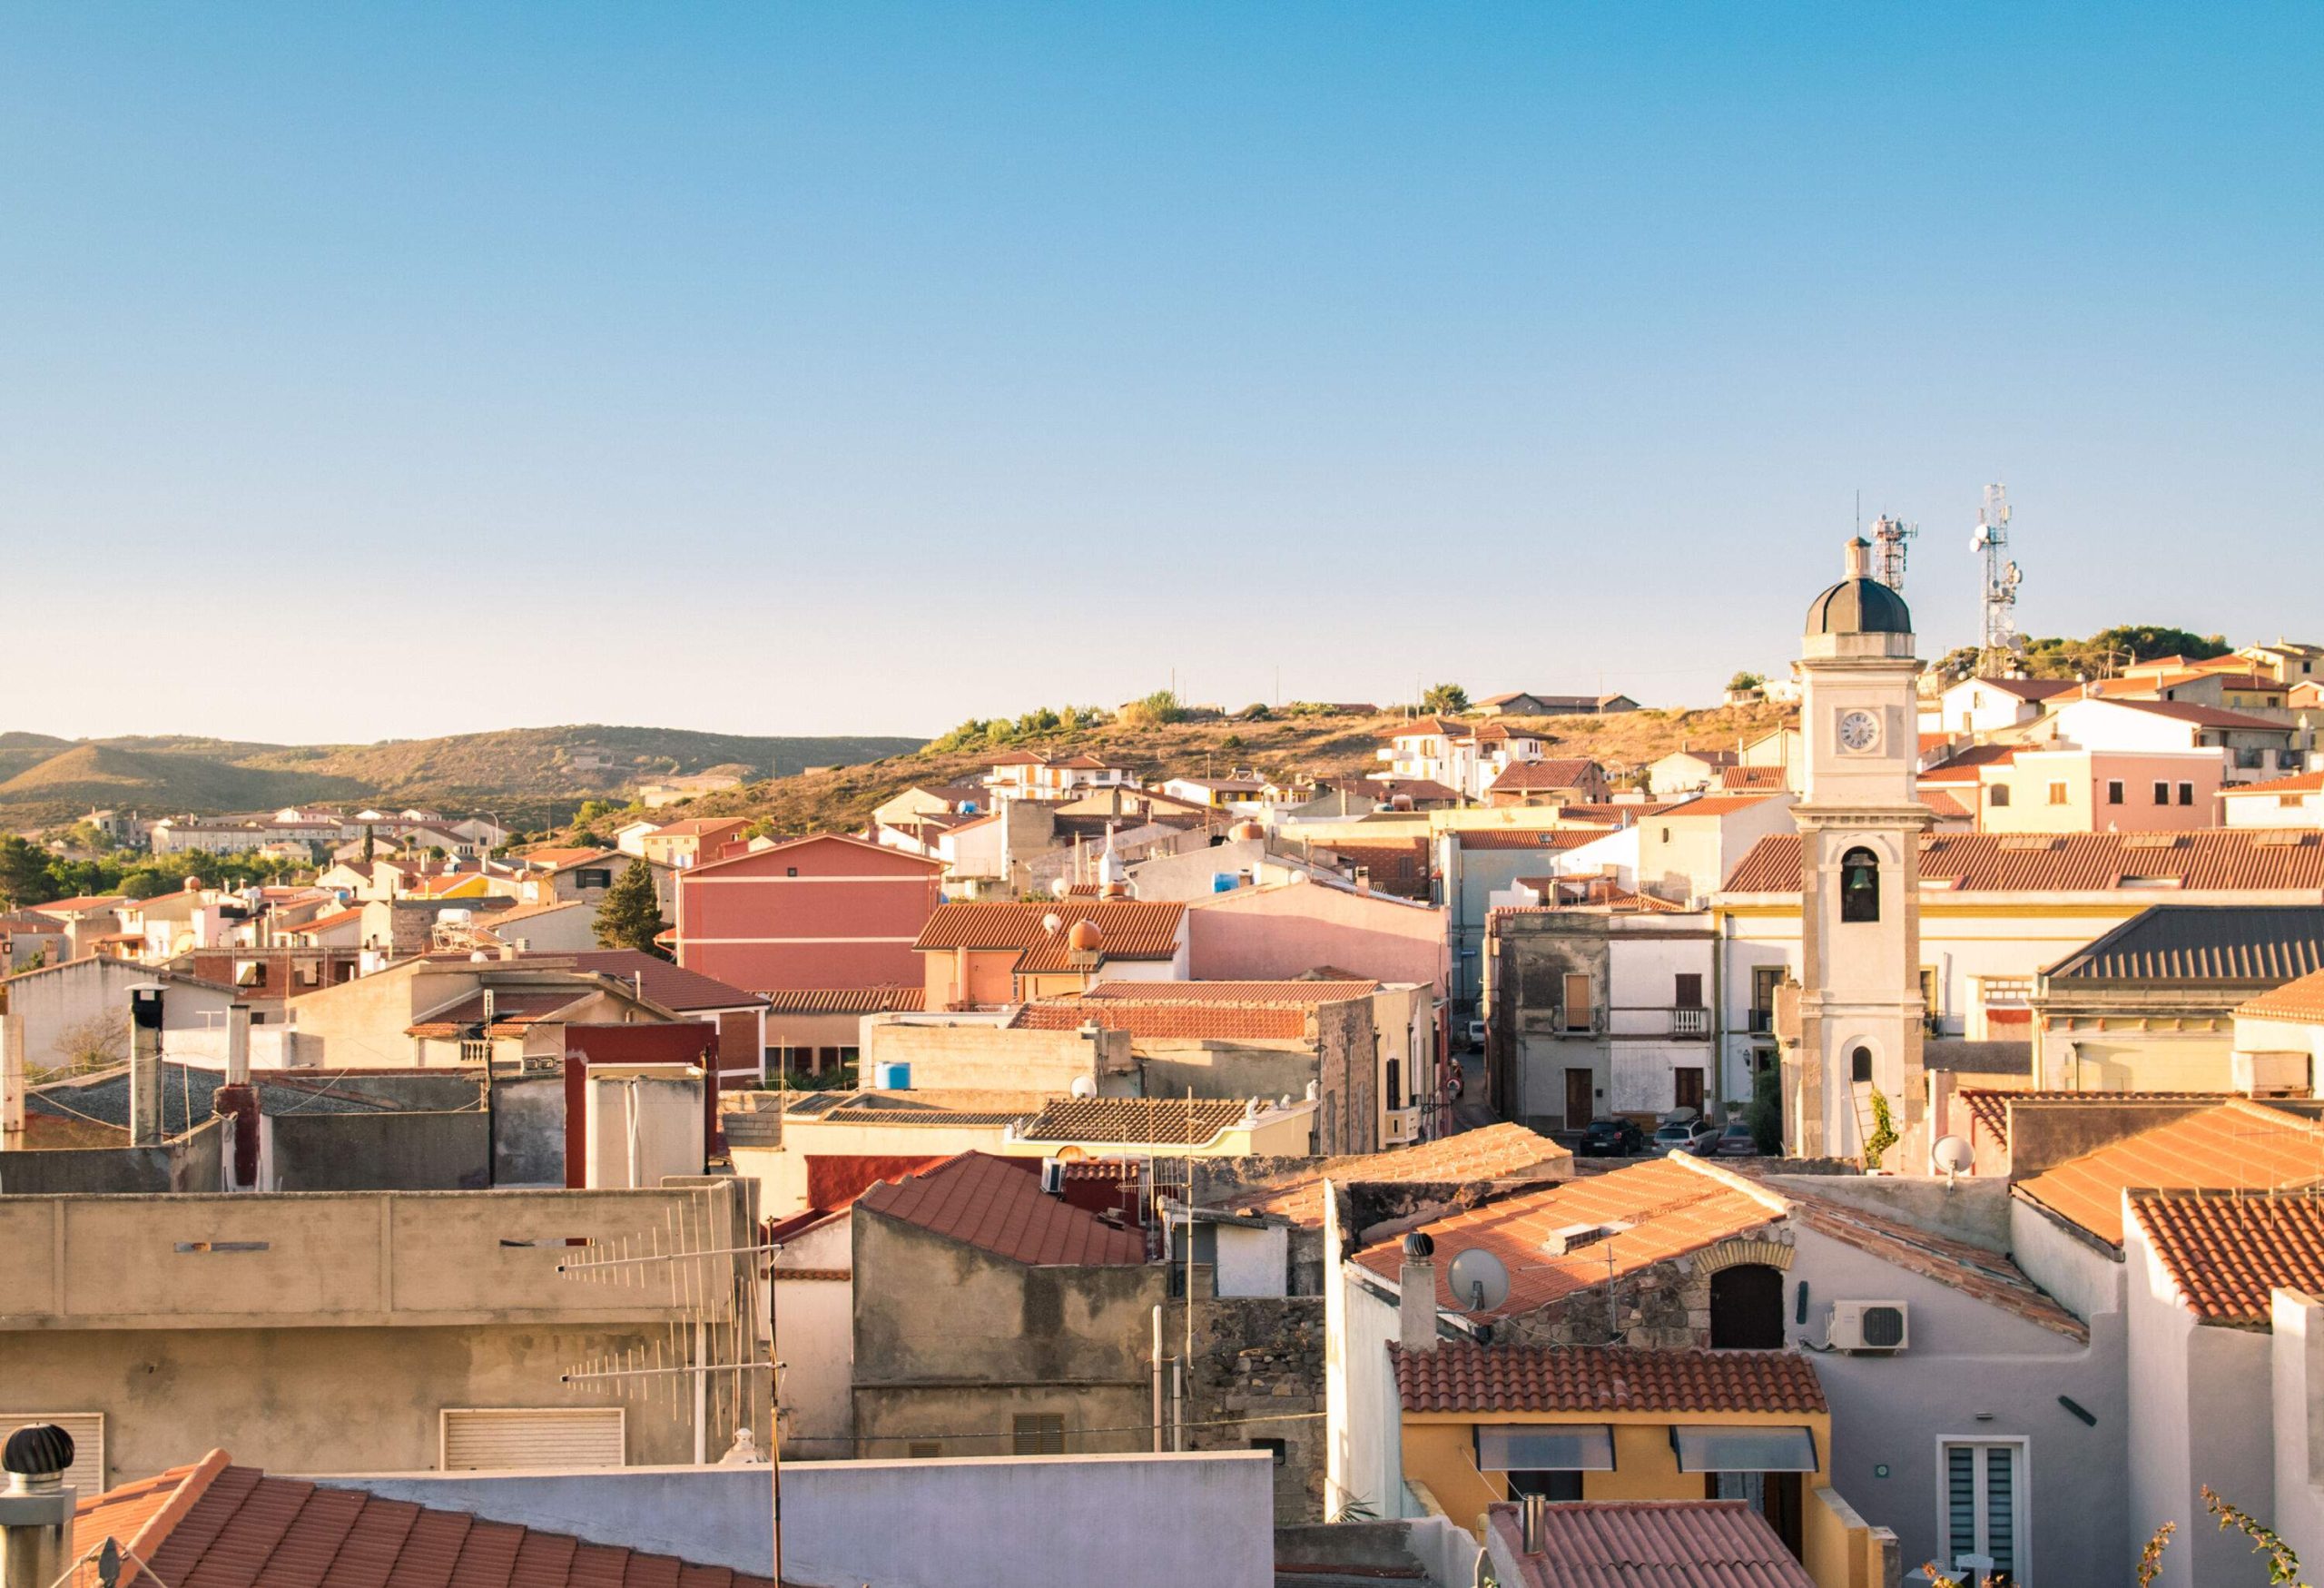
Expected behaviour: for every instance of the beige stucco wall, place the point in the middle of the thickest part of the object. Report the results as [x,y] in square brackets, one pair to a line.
[987,1056]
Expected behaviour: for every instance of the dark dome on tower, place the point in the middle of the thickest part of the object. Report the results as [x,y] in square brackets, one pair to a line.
[1859,604]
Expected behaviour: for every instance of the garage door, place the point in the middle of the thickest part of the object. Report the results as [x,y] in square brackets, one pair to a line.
[502,1438]
[87,1473]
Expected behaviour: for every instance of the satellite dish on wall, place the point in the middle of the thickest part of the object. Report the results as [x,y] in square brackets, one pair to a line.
[1085,1086]
[1953,1155]
[1480,1280]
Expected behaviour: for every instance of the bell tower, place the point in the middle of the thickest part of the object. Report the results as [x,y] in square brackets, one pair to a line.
[1860,825]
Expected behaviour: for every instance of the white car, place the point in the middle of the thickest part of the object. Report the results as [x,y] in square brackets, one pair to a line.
[1477,1035]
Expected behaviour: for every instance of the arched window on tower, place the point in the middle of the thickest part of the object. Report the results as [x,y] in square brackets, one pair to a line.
[1859,886]
[1860,1065]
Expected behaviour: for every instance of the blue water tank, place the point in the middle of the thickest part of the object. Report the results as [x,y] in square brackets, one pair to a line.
[1223,882]
[891,1075]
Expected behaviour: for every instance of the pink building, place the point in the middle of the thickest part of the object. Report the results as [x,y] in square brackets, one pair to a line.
[1275,934]
[2101,791]
[827,913]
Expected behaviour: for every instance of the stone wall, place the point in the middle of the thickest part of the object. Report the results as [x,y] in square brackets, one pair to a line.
[1665,1306]
[1257,1359]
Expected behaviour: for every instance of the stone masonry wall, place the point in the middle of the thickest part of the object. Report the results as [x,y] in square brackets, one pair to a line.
[1259,1358]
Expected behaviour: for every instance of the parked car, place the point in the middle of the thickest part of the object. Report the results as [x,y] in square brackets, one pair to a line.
[1736,1142]
[1614,1138]
[1476,1036]
[1684,1130]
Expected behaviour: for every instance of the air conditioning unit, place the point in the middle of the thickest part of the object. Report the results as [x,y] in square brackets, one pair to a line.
[1867,1325]
[1053,1177]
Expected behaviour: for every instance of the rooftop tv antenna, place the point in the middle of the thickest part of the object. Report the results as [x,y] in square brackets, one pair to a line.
[708,1262]
[2000,643]
[1889,539]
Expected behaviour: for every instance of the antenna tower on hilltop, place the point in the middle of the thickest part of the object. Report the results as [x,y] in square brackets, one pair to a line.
[2000,642]
[1888,537]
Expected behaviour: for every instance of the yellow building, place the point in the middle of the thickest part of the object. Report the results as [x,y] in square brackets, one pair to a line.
[1483,1425]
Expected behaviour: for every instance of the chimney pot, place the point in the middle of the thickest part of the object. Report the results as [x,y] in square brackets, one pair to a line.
[1416,1294]
[1536,1518]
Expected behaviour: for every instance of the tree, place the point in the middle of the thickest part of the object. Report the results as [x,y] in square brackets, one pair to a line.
[1745,681]
[630,915]
[1154,710]
[98,1042]
[1449,699]
[25,878]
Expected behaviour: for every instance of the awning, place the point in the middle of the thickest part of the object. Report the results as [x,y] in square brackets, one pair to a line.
[1545,1447]
[1743,1448]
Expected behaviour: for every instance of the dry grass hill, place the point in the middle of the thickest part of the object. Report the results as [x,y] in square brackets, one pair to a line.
[843,798]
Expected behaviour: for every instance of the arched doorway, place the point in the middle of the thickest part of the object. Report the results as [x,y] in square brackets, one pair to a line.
[1746,1308]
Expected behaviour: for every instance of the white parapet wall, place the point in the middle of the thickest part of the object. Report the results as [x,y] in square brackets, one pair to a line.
[1031,1521]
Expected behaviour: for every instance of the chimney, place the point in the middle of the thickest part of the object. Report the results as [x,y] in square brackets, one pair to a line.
[1536,1516]
[12,1081]
[36,1507]
[145,1064]
[489,1009]
[238,1045]
[1363,879]
[1416,1291]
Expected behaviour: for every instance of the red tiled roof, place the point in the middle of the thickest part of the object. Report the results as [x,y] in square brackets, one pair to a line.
[1179,1121]
[1764,778]
[1446,726]
[997,1206]
[1191,1022]
[2217,859]
[2030,688]
[844,999]
[213,1525]
[2298,783]
[321,922]
[2236,1147]
[672,986]
[1963,768]
[1134,929]
[1945,804]
[1464,1376]
[1316,992]
[2201,716]
[2225,1253]
[1673,1204]
[1725,804]
[1990,1108]
[2301,1000]
[1971,1272]
[1565,772]
[699,828]
[1649,1543]
[1531,837]
[83,902]
[1495,1152]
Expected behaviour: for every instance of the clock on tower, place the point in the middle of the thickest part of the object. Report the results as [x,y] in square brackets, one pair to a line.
[1860,823]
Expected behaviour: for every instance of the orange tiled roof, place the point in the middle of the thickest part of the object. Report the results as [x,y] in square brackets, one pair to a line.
[2225,1254]
[223,1527]
[1674,1205]
[996,1205]
[1565,772]
[1531,837]
[1186,1020]
[844,999]
[1179,1121]
[1944,804]
[2298,783]
[1771,778]
[2237,1145]
[1464,1376]
[1134,929]
[1973,1271]
[2218,859]
[1316,992]
[1990,1108]
[1446,726]
[1502,1151]
[2301,1000]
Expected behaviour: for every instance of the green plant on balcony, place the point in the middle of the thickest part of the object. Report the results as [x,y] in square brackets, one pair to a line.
[1884,1132]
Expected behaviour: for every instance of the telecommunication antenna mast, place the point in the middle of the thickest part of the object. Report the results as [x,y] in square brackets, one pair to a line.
[1888,547]
[2000,642]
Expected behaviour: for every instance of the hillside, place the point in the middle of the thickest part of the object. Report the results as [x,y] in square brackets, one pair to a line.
[843,798]
[528,776]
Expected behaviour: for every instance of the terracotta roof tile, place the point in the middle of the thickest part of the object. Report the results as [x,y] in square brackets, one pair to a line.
[1304,991]
[2299,782]
[996,1205]
[672,986]
[1989,1107]
[1650,1544]
[844,999]
[1673,1204]
[1561,772]
[1178,1121]
[1192,1021]
[2219,859]
[1531,837]
[1134,929]
[1969,1270]
[2226,1254]
[1464,1376]
[2300,1000]
[2237,1145]
[1770,779]
[1502,1151]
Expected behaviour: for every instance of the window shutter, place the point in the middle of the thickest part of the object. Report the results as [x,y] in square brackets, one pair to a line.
[517,1437]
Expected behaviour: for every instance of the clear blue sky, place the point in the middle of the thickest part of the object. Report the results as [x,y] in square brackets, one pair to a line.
[775,368]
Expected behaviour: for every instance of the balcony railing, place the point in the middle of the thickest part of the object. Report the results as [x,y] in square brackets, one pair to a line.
[1624,1019]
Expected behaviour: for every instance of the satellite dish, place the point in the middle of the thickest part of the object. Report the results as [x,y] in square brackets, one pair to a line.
[1952,1155]
[1085,1086]
[1480,1280]
[1061,888]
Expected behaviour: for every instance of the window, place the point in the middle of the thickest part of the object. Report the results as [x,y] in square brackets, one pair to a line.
[2114,791]
[1860,1065]
[2186,794]
[1982,1509]
[1765,980]
[1395,1088]
[1859,886]
[790,870]
[1279,1448]
[592,878]
[2161,794]
[1687,989]
[1547,1484]
[1577,1013]
[1998,795]
[2251,757]
[1038,1434]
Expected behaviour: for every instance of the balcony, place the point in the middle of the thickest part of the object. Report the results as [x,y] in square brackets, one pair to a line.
[1630,1020]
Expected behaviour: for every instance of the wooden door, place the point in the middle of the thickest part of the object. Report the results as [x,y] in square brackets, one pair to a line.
[1581,1098]
[1688,1085]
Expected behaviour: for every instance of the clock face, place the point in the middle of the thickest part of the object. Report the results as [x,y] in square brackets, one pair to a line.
[1859,732]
